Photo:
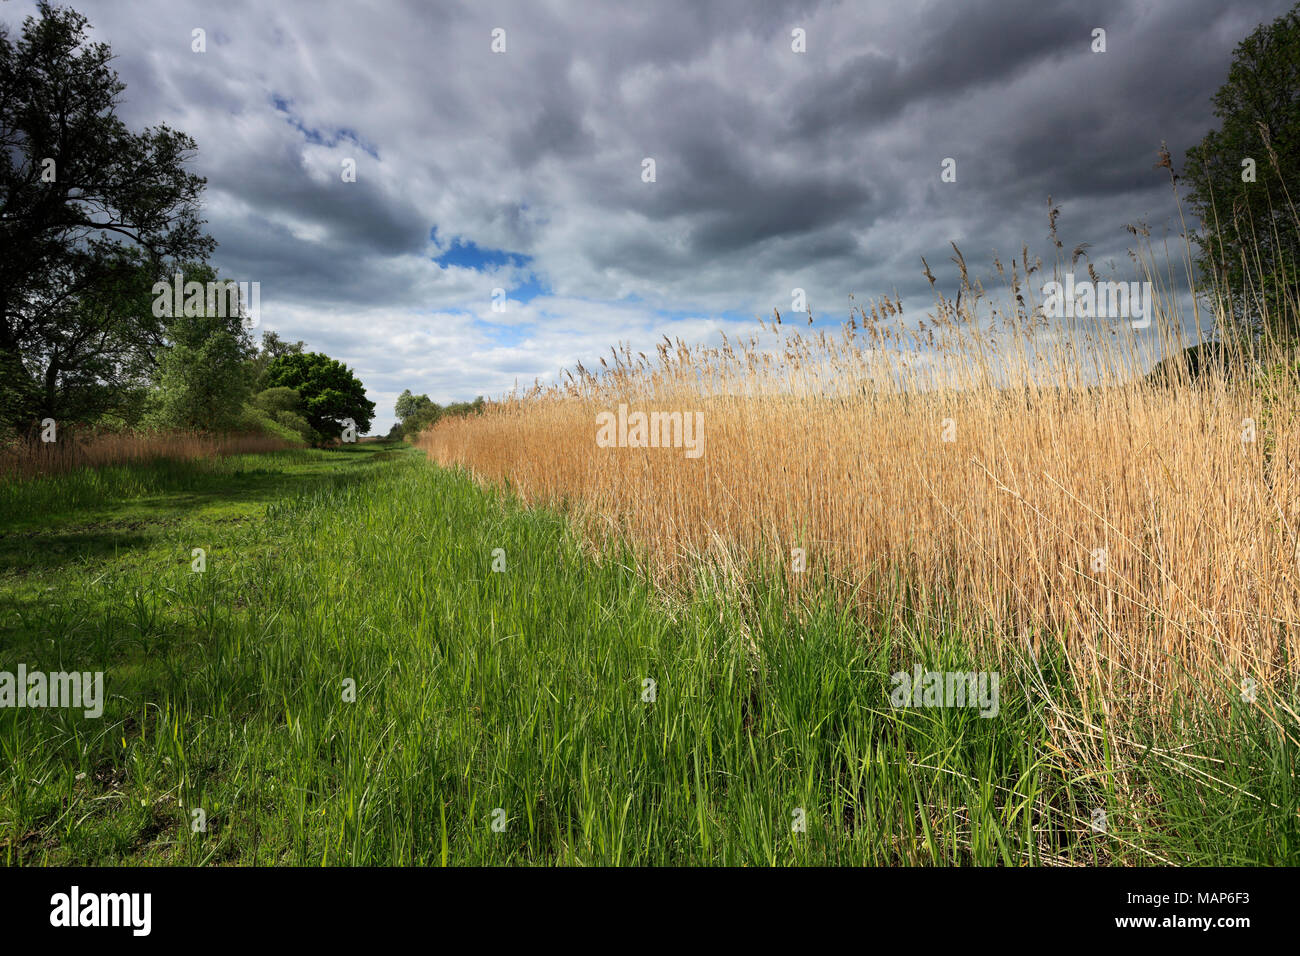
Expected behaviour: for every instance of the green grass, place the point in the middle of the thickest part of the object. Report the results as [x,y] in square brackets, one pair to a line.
[518,697]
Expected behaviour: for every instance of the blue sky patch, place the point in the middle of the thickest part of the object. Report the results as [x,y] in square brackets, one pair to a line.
[469,255]
[315,136]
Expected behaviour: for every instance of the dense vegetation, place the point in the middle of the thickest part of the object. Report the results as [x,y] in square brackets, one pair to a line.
[415,413]
[359,675]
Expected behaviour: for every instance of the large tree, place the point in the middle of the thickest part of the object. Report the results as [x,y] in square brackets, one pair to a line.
[409,405]
[90,213]
[1245,180]
[330,392]
[204,370]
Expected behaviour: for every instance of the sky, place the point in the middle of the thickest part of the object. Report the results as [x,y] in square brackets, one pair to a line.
[501,227]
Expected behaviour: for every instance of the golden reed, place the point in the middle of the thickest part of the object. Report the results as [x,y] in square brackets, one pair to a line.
[1023,477]
[34,458]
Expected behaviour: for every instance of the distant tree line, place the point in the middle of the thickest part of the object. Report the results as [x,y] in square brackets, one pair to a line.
[417,412]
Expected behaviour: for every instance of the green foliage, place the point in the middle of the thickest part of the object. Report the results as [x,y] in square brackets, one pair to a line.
[421,419]
[1250,241]
[200,386]
[89,211]
[285,407]
[298,425]
[330,392]
[409,405]
[279,399]
[202,376]
[272,348]
[254,420]
[465,408]
[417,412]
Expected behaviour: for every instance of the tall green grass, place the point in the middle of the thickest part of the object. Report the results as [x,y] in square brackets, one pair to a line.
[519,698]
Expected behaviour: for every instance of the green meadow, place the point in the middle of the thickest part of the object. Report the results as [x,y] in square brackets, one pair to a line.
[358,675]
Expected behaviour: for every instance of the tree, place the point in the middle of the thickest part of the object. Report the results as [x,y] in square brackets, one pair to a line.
[409,405]
[330,392]
[203,374]
[414,413]
[1244,176]
[97,360]
[89,211]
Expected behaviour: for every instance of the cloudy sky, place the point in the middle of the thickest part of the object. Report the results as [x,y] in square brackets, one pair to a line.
[524,170]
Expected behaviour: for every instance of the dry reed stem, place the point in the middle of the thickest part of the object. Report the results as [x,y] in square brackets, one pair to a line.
[1060,450]
[32,459]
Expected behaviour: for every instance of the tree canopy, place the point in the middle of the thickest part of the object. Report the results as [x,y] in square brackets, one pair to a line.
[1244,180]
[329,391]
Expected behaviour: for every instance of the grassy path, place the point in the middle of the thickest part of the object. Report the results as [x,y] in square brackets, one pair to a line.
[350,681]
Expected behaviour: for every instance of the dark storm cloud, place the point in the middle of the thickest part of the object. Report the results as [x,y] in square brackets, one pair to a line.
[557,130]
[364,215]
[958,48]
[779,210]
[734,201]
[774,169]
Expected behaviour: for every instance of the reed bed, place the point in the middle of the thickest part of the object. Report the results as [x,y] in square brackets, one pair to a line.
[985,468]
[31,459]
